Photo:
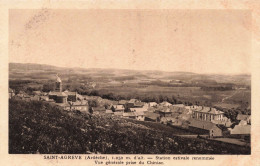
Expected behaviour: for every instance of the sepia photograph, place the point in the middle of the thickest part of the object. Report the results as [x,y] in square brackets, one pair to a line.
[129,81]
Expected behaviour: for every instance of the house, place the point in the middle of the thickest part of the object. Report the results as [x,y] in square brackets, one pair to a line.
[17,98]
[152,104]
[11,93]
[131,103]
[151,116]
[171,121]
[37,93]
[139,104]
[207,113]
[165,104]
[120,114]
[44,98]
[164,111]
[242,123]
[146,105]
[78,105]
[167,120]
[205,127]
[139,115]
[72,96]
[246,118]
[134,103]
[79,97]
[34,98]
[138,109]
[98,110]
[118,108]
[51,101]
[179,105]
[163,120]
[226,122]
[26,97]
[122,102]
[21,94]
[151,109]
[242,131]
[129,115]
[109,111]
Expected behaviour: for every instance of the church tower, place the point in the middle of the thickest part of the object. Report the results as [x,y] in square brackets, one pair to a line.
[58,84]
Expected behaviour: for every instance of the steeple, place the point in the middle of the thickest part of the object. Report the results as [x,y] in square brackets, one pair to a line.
[58,84]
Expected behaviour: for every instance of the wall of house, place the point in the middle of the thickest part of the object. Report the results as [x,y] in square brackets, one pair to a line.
[216,132]
[141,117]
[61,99]
[198,130]
[72,98]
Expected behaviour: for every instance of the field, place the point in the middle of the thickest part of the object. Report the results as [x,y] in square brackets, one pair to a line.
[222,91]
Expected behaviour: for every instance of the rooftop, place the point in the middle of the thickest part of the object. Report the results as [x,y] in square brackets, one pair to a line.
[241,129]
[207,110]
[202,124]
[57,94]
[138,109]
[243,117]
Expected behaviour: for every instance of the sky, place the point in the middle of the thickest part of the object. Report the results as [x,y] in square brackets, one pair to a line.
[200,41]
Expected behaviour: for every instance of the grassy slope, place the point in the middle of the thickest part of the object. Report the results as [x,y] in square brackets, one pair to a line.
[37,126]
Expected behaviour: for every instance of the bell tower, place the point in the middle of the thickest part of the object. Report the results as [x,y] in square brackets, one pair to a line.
[58,84]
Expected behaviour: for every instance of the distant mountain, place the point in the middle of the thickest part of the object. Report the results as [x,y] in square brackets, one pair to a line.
[31,66]
[188,77]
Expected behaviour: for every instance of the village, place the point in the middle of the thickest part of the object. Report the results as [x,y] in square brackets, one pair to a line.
[204,122]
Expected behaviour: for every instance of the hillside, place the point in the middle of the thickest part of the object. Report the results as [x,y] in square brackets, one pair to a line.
[29,69]
[37,127]
[223,91]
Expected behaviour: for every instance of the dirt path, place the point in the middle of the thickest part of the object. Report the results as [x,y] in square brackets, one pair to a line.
[225,98]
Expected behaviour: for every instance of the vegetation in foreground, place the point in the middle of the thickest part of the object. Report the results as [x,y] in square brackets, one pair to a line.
[37,127]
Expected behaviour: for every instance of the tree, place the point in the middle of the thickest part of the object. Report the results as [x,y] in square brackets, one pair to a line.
[92,103]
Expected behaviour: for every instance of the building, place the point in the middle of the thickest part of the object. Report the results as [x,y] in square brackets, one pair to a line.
[164,111]
[205,127]
[119,114]
[118,108]
[77,106]
[58,97]
[109,111]
[206,113]
[62,97]
[11,93]
[165,104]
[152,104]
[72,96]
[151,116]
[246,118]
[138,109]
[129,115]
[134,103]
[58,84]
[44,98]
[134,115]
[225,121]
[39,93]
[98,110]
[139,116]
[241,131]
[122,102]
